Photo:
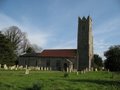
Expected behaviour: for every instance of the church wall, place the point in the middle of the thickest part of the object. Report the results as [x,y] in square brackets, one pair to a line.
[32,61]
[47,62]
[21,61]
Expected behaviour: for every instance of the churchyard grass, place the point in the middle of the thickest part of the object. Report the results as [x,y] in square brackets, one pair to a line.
[53,80]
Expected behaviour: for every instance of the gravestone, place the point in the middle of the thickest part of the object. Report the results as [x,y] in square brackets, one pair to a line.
[84,71]
[16,67]
[45,68]
[92,69]
[26,70]
[96,69]
[77,73]
[37,68]
[50,68]
[12,67]
[81,72]
[5,67]
[41,68]
[20,67]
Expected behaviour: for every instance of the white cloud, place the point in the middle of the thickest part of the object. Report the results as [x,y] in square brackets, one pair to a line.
[36,35]
[110,26]
[65,45]
[6,21]
[100,46]
[40,38]
[104,33]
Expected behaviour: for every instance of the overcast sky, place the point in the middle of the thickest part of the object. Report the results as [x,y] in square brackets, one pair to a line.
[54,23]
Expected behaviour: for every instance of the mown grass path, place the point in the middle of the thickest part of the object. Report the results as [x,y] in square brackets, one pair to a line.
[46,80]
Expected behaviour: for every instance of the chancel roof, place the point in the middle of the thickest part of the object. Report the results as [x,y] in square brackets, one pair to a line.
[68,53]
[63,53]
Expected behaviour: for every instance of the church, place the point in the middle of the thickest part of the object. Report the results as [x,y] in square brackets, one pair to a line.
[63,59]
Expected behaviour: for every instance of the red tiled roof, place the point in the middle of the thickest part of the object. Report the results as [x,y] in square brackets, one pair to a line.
[59,53]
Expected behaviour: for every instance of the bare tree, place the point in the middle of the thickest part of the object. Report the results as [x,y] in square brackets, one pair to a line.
[36,48]
[18,38]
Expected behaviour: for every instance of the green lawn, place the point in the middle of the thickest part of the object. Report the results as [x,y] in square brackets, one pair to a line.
[45,80]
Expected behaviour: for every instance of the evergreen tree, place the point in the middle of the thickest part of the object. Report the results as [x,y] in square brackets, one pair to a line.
[30,50]
[98,63]
[112,61]
[7,55]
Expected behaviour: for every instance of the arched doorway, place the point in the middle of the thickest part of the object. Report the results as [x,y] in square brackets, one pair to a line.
[65,67]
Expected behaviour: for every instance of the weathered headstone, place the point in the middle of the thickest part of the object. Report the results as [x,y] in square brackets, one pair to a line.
[67,69]
[84,71]
[37,68]
[41,68]
[26,70]
[103,68]
[92,69]
[5,67]
[45,68]
[16,67]
[77,73]
[0,66]
[50,68]
[20,67]
[81,72]
[12,67]
[96,69]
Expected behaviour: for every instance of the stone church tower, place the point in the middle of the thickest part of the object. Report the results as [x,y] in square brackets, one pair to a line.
[84,43]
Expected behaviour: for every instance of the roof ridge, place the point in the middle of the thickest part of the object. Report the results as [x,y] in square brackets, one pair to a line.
[59,49]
